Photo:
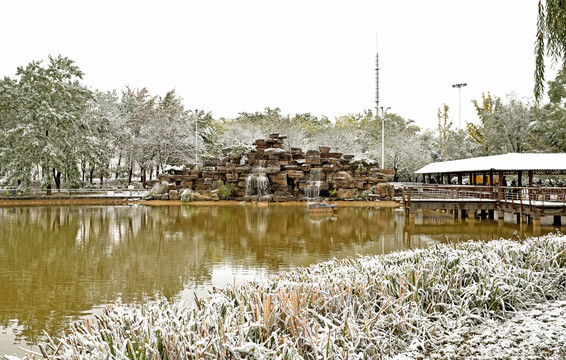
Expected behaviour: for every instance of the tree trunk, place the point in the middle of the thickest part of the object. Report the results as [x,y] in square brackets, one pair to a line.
[143,177]
[91,174]
[118,166]
[57,178]
[130,173]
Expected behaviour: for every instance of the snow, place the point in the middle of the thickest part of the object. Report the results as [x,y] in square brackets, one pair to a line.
[506,162]
[539,332]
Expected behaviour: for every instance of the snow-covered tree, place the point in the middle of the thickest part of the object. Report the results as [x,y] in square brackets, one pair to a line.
[513,119]
[444,131]
[139,109]
[170,132]
[550,38]
[237,132]
[45,105]
[105,125]
[504,127]
[550,123]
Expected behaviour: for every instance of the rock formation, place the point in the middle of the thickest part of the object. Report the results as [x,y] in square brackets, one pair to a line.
[271,173]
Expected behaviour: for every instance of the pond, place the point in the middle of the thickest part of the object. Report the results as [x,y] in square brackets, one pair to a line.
[62,263]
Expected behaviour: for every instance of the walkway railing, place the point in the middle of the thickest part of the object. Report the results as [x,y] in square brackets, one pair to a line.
[12,193]
[517,198]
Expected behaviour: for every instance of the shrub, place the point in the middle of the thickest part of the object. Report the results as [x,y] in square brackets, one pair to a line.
[333,193]
[225,191]
[187,195]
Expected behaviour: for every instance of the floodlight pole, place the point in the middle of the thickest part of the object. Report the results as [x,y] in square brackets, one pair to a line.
[383,113]
[196,138]
[459,86]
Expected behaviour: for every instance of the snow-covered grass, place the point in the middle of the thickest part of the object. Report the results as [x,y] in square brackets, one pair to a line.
[369,307]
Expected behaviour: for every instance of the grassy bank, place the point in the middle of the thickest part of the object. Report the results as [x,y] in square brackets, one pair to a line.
[368,307]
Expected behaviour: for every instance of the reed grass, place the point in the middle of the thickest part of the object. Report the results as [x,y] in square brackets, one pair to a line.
[356,308]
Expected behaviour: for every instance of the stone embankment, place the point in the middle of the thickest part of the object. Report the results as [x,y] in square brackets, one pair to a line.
[268,172]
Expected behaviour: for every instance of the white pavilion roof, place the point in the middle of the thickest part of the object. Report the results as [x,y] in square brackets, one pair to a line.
[506,162]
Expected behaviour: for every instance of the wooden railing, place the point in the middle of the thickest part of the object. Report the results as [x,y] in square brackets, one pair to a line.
[514,197]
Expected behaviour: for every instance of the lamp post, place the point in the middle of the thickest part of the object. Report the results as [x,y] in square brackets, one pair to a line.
[196,137]
[459,86]
[383,113]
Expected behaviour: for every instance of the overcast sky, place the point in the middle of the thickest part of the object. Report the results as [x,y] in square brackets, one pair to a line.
[301,56]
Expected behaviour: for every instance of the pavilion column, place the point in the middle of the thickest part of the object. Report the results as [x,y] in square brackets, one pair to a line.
[490,177]
[500,184]
[473,175]
[424,179]
[429,179]
[459,178]
[520,178]
[530,178]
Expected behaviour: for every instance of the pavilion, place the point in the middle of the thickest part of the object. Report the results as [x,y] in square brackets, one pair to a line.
[491,170]
[487,190]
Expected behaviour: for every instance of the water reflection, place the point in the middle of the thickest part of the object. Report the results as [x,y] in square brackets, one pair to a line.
[59,263]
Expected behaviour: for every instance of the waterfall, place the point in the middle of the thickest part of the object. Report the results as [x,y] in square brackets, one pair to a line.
[257,182]
[312,188]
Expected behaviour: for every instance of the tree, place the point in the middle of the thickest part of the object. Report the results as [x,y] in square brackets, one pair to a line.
[404,150]
[139,109]
[461,146]
[485,113]
[203,133]
[444,133]
[44,107]
[504,127]
[105,125]
[483,133]
[550,122]
[237,132]
[302,130]
[172,135]
[557,87]
[513,119]
[550,38]
[355,134]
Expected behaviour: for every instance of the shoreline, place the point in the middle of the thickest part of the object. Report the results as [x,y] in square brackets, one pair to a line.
[122,201]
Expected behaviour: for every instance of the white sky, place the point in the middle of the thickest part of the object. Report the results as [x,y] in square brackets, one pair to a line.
[301,56]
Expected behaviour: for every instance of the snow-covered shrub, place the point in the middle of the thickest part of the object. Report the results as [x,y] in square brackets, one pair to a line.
[187,195]
[158,189]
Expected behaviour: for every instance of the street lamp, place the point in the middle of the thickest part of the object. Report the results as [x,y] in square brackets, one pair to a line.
[383,113]
[196,137]
[459,86]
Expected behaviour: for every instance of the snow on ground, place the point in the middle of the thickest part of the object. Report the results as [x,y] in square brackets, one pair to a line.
[536,333]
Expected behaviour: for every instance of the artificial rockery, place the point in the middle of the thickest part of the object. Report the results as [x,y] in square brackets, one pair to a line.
[267,171]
